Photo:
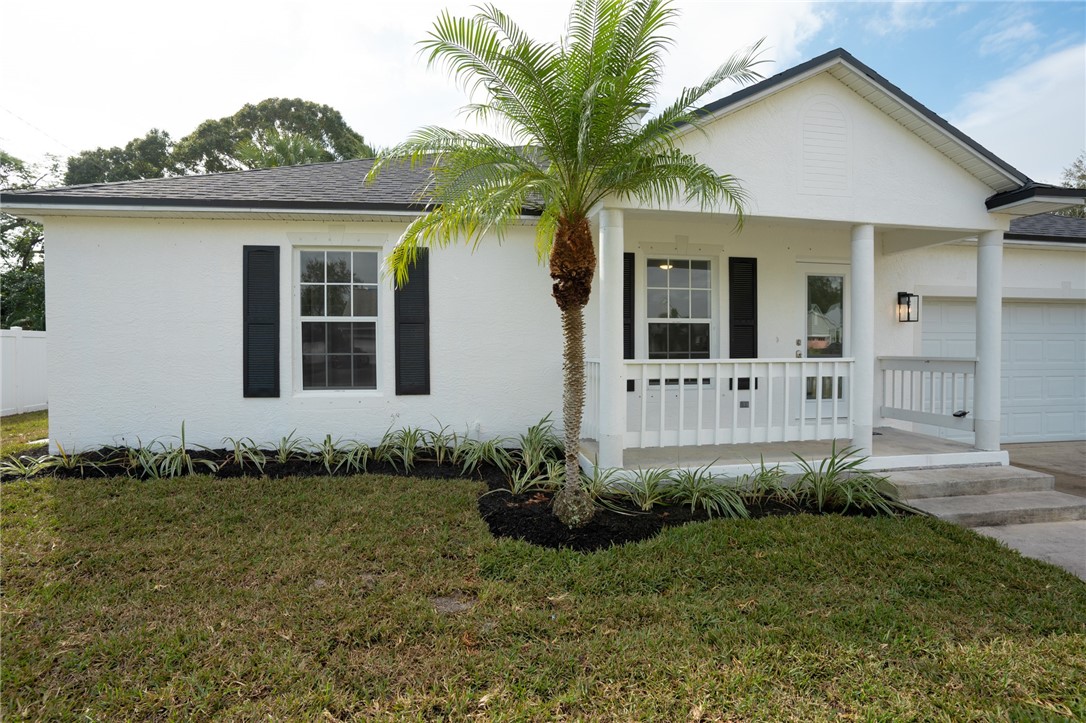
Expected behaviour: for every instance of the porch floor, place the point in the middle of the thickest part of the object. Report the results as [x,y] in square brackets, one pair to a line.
[896,447]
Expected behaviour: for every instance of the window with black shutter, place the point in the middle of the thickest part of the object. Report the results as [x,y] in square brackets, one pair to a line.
[743,308]
[260,314]
[413,330]
[628,280]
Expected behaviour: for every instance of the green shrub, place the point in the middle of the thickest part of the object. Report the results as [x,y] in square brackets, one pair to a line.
[698,488]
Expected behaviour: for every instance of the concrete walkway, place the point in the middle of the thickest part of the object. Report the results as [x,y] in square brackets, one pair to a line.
[1060,543]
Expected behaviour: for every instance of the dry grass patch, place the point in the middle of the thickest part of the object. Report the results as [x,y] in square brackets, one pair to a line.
[200,598]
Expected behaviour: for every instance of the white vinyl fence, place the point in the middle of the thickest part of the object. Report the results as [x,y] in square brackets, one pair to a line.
[22,371]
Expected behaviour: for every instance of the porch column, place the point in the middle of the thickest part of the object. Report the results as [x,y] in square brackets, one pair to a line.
[612,420]
[986,391]
[863,336]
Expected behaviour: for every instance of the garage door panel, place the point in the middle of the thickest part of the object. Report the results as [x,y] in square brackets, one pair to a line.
[1043,385]
[1060,388]
[1058,351]
[1026,389]
[1060,423]
[1024,351]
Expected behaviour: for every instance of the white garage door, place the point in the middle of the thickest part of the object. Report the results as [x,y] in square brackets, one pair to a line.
[1044,363]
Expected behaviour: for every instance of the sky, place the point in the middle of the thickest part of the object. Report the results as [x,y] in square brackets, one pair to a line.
[81,75]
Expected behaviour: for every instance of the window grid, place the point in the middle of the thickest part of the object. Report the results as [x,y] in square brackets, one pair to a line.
[338,304]
[679,308]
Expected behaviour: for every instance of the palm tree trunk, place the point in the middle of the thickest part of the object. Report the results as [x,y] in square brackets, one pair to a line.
[573,263]
[572,505]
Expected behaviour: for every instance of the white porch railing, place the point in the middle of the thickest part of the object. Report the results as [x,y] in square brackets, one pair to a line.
[928,391]
[590,420]
[735,401]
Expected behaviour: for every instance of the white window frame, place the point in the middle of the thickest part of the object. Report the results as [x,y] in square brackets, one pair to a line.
[297,320]
[642,261]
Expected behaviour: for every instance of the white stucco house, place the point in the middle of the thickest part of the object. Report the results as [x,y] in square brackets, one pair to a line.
[251,303]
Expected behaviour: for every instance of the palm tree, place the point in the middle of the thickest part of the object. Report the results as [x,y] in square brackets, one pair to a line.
[572,114]
[272,148]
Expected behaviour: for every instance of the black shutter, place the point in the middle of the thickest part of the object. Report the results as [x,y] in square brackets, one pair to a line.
[628,311]
[260,311]
[743,308]
[627,306]
[413,330]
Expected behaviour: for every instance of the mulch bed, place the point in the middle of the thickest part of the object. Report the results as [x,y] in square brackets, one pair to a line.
[521,517]
[529,518]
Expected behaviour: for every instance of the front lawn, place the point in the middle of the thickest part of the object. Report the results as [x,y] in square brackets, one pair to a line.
[356,597]
[18,430]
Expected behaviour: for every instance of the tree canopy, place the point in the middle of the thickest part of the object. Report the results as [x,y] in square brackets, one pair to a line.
[22,243]
[572,111]
[148,157]
[213,146]
[1074,176]
[273,132]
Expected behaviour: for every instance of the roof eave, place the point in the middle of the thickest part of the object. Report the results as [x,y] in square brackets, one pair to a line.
[1034,199]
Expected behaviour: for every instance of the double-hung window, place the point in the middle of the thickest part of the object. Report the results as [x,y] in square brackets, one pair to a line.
[679,308]
[338,314]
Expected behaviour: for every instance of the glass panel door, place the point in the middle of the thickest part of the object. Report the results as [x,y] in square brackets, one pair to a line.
[825,316]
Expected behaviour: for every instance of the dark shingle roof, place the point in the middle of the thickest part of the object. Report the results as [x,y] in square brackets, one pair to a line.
[319,186]
[1047,227]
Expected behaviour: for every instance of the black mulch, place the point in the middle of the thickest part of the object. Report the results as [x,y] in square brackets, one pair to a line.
[529,518]
[521,517]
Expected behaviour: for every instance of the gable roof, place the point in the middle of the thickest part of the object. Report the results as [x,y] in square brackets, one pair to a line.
[315,187]
[891,100]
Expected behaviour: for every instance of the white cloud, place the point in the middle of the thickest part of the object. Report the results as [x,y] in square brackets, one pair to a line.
[1035,117]
[1012,33]
[900,16]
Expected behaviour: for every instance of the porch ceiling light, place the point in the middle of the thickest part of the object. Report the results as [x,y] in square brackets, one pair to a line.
[908,306]
[666,266]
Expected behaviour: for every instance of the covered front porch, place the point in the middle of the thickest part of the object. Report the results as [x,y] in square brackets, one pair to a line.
[893,448]
[648,404]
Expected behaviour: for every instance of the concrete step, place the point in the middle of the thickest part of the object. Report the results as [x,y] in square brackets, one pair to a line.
[918,484]
[1004,508]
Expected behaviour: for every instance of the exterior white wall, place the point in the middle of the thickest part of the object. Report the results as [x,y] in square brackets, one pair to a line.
[23,371]
[1030,273]
[145,331]
[881,174]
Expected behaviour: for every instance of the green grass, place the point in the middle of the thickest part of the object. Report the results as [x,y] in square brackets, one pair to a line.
[307,598]
[19,429]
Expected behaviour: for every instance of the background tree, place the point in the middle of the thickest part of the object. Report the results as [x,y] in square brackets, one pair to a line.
[272,148]
[148,157]
[22,243]
[213,146]
[572,111]
[1074,176]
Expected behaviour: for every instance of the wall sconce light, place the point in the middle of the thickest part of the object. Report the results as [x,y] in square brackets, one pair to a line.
[908,306]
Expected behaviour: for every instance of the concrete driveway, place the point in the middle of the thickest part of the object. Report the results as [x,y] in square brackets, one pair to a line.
[1061,543]
[1066,461]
